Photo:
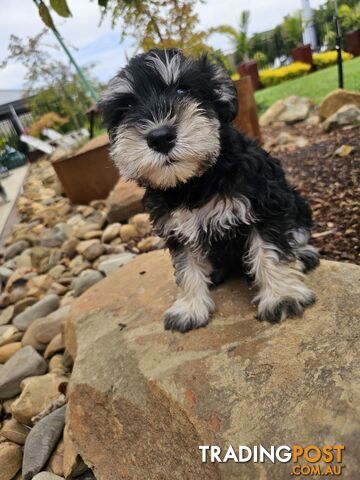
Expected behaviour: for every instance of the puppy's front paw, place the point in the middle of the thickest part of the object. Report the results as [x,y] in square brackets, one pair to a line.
[284,308]
[174,321]
[183,320]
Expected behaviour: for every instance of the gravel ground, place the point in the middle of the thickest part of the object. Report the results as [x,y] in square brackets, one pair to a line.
[330,183]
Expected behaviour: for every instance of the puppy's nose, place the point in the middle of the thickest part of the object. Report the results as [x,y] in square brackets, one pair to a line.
[162,139]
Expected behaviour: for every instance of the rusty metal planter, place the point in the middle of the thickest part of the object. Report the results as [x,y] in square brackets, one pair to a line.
[88,174]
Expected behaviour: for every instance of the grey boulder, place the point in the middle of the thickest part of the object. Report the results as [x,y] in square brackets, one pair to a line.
[40,309]
[5,274]
[113,262]
[47,476]
[41,441]
[24,363]
[346,115]
[15,249]
[87,279]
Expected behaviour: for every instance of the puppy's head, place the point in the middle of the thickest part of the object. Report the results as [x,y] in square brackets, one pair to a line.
[163,112]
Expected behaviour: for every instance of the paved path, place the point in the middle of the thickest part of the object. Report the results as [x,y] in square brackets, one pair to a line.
[12,185]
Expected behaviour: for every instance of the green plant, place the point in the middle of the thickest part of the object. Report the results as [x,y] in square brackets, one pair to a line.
[261,59]
[292,29]
[271,43]
[324,19]
[271,77]
[68,99]
[329,36]
[218,57]
[239,38]
[350,17]
[50,83]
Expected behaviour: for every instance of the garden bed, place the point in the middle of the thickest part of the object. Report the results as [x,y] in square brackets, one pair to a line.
[331,184]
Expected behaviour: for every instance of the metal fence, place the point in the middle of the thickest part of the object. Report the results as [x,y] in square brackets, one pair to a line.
[7,129]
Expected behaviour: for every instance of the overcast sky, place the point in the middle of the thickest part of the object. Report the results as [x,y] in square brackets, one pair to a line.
[101,45]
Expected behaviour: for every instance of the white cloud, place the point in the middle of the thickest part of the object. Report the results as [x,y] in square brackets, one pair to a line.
[100,44]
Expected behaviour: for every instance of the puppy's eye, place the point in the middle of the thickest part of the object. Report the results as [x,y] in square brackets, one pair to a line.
[182,90]
[127,102]
[126,105]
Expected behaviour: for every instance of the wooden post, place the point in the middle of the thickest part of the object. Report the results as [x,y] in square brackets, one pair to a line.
[246,120]
[250,68]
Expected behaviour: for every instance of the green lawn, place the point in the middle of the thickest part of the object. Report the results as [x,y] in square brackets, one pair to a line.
[315,85]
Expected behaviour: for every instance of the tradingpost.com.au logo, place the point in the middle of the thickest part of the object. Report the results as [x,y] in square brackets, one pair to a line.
[304,459]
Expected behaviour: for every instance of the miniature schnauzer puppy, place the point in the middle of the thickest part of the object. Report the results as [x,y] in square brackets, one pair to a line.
[219,200]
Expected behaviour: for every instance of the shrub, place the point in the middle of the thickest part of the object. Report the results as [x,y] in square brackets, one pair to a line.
[325,59]
[48,120]
[261,58]
[271,77]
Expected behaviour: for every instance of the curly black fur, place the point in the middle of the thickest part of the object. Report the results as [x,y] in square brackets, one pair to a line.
[278,234]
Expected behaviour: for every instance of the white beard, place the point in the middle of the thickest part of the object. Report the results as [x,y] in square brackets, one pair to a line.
[197,147]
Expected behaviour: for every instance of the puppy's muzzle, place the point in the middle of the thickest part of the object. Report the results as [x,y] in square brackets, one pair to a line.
[162,139]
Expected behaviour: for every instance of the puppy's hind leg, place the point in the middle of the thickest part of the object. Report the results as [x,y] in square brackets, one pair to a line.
[193,306]
[306,253]
[282,292]
[309,257]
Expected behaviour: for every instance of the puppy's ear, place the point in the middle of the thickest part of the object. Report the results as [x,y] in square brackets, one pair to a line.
[226,102]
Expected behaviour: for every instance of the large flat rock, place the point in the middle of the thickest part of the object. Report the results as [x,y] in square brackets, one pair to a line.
[124,201]
[143,399]
[337,99]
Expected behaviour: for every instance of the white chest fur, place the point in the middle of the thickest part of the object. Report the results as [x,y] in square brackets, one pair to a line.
[212,221]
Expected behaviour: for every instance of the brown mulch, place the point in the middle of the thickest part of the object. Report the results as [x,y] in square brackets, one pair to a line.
[329,182]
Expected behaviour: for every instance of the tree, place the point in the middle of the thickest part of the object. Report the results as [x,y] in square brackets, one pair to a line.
[324,19]
[50,83]
[270,43]
[217,56]
[349,17]
[239,37]
[154,23]
[160,23]
[66,97]
[292,29]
